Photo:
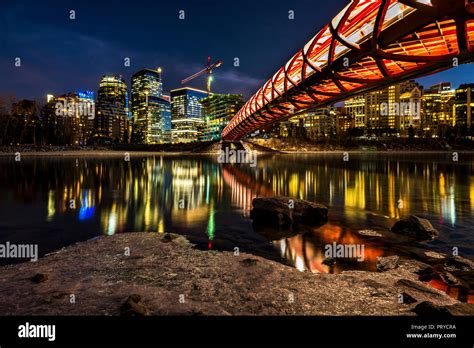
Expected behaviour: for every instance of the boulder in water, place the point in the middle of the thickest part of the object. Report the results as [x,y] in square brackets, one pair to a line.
[416,228]
[284,212]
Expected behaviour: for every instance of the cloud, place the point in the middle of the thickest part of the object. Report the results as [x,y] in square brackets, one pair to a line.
[234,76]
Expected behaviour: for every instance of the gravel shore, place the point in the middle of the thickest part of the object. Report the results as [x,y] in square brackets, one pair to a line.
[172,277]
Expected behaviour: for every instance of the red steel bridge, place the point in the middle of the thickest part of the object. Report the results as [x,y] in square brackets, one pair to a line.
[369,45]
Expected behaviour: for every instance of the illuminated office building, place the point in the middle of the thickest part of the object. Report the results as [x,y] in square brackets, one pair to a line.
[321,122]
[344,121]
[392,108]
[71,117]
[377,117]
[374,110]
[463,105]
[355,108]
[438,106]
[151,110]
[164,130]
[409,110]
[112,109]
[166,120]
[187,119]
[218,110]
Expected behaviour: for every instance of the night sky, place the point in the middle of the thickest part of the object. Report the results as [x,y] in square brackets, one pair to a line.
[60,55]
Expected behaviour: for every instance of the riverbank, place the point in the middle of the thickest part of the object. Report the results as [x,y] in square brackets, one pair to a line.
[262,146]
[172,277]
[291,145]
[169,149]
[115,153]
[99,153]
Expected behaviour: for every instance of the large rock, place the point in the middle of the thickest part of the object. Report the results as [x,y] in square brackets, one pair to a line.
[449,279]
[416,228]
[428,309]
[387,263]
[461,309]
[408,299]
[426,274]
[458,263]
[175,238]
[276,212]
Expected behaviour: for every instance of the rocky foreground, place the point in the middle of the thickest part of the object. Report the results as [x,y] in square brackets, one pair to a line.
[166,275]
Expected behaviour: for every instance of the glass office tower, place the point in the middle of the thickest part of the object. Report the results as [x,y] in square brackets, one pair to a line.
[111,109]
[218,110]
[151,110]
[187,117]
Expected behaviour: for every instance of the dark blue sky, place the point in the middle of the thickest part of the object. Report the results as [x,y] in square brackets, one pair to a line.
[61,55]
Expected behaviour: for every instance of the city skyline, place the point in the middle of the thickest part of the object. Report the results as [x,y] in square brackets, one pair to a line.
[426,82]
[191,115]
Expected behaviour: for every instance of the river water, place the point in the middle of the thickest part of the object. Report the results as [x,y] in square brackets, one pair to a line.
[55,201]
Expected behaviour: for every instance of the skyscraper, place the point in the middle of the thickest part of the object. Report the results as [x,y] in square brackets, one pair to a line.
[187,120]
[438,106]
[355,108]
[464,104]
[111,109]
[218,110]
[151,110]
[380,108]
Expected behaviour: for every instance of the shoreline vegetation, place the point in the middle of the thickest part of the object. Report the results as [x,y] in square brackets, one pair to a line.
[164,274]
[263,146]
[387,145]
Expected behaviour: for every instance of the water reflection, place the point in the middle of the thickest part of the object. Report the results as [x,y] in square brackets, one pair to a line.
[150,194]
[306,251]
[69,199]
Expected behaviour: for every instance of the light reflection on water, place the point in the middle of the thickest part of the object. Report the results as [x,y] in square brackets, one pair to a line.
[209,202]
[306,253]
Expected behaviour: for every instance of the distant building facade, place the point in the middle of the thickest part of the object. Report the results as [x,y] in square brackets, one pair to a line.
[409,109]
[464,104]
[374,111]
[112,111]
[321,123]
[187,117]
[396,107]
[438,107]
[344,122]
[355,108]
[70,118]
[380,113]
[218,110]
[151,110]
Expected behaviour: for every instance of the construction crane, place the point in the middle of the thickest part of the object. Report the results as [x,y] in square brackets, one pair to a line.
[207,70]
